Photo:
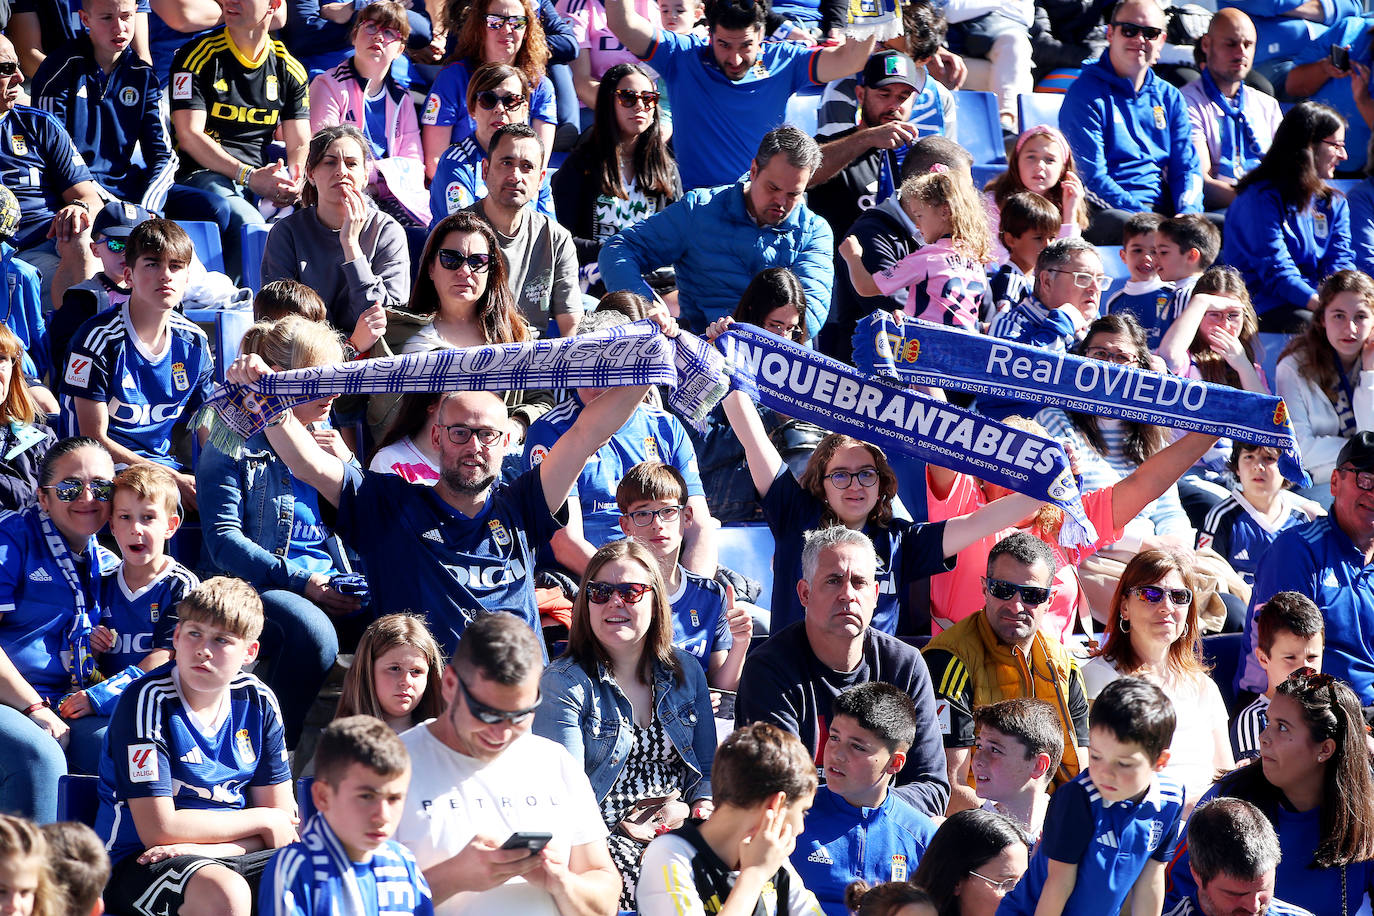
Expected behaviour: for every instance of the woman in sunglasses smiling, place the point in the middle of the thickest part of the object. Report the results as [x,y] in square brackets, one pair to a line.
[634,710]
[621,173]
[50,566]
[1153,632]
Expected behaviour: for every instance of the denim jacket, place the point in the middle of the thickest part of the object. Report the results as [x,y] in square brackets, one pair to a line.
[591,718]
[247,509]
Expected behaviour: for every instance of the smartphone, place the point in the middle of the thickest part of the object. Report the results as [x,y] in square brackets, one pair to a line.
[726,708]
[530,841]
[1340,57]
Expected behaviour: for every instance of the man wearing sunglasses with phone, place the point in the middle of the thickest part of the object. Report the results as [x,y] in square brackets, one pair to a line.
[1129,129]
[1329,560]
[501,820]
[1001,654]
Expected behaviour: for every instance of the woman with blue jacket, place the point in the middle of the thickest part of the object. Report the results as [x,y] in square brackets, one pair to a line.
[265,527]
[1288,229]
[632,708]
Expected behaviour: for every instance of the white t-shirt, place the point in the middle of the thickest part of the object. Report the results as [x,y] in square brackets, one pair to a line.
[534,786]
[666,886]
[403,459]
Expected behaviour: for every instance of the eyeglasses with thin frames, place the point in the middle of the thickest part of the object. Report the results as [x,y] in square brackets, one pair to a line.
[374,29]
[1084,280]
[1109,356]
[1001,887]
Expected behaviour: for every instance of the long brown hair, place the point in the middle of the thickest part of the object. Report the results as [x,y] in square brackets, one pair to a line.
[652,164]
[1185,653]
[1009,182]
[1211,366]
[18,403]
[319,145]
[1316,358]
[500,319]
[587,650]
[812,479]
[1142,439]
[359,696]
[468,18]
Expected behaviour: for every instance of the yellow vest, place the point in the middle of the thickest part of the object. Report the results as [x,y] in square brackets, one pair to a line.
[998,672]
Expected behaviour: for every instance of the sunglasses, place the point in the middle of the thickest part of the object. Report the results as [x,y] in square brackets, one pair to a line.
[490,715]
[489,99]
[372,29]
[866,477]
[70,490]
[452,260]
[629,592]
[628,98]
[516,23]
[8,67]
[1031,595]
[459,434]
[1131,30]
[116,246]
[1154,594]
[645,517]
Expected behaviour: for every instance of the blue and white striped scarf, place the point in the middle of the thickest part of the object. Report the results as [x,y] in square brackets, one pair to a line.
[920,353]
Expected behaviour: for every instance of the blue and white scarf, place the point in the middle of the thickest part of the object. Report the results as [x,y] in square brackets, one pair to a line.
[1239,149]
[76,656]
[921,353]
[807,385]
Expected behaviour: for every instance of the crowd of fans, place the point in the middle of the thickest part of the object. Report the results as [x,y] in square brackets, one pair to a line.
[558,694]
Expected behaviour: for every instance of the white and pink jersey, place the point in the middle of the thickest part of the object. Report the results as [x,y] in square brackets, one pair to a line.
[946,286]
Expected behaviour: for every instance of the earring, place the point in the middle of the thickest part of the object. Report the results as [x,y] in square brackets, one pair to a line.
[1125,624]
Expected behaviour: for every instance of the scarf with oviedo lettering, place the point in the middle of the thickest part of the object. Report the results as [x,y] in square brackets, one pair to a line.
[806,385]
[920,353]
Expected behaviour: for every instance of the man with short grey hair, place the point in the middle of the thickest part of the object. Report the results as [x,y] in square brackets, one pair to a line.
[720,238]
[793,679]
[1064,299]
[1233,854]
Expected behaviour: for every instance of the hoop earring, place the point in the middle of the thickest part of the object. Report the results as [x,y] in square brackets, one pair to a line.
[1124,624]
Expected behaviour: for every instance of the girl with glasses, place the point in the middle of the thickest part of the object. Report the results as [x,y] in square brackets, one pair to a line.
[1288,227]
[1153,632]
[1313,783]
[620,173]
[24,438]
[974,859]
[49,588]
[632,709]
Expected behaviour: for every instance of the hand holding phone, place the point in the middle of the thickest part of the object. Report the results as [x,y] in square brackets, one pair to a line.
[533,842]
[1340,58]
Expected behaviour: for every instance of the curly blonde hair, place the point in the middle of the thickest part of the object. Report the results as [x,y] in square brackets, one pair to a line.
[968,220]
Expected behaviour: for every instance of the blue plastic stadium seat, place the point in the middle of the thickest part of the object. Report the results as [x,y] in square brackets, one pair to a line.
[1273,345]
[803,112]
[1039,108]
[1112,265]
[206,240]
[1345,185]
[1223,652]
[978,129]
[77,799]
[304,800]
[748,550]
[254,242]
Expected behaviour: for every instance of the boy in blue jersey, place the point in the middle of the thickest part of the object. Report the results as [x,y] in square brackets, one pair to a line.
[1243,525]
[135,371]
[1185,246]
[1110,832]
[650,434]
[856,829]
[346,860]
[1144,295]
[707,623]
[1291,635]
[139,597]
[195,787]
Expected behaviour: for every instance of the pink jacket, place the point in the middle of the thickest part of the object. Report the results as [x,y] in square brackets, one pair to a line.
[336,97]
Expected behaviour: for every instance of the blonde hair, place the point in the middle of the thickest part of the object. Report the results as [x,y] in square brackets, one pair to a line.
[359,695]
[230,604]
[968,221]
[21,839]
[151,481]
[293,342]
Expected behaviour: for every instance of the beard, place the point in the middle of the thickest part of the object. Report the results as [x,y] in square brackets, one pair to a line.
[468,482]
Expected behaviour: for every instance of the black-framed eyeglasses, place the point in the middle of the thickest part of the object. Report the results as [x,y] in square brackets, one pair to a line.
[1132,30]
[373,29]
[645,517]
[1154,594]
[1363,479]
[490,715]
[516,23]
[1336,144]
[1085,280]
[629,592]
[1109,356]
[1002,887]
[628,98]
[488,99]
[450,259]
[70,489]
[460,434]
[9,67]
[116,246]
[1031,595]
[841,480]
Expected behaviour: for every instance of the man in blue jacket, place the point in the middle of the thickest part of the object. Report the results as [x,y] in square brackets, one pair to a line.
[1129,129]
[719,238]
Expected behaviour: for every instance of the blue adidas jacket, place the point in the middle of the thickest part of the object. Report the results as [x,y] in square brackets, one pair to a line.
[1132,147]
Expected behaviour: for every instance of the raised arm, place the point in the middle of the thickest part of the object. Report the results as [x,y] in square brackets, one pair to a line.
[635,32]
[1156,474]
[843,60]
[593,429]
[1007,512]
[763,459]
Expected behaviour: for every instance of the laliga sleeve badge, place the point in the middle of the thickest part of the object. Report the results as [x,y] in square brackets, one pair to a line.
[1159,116]
[142,763]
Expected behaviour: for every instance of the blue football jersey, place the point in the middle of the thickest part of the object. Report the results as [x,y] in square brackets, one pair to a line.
[700,626]
[38,162]
[143,620]
[1237,531]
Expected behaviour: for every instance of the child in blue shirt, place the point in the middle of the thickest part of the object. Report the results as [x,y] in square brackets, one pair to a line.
[195,788]
[652,498]
[1109,836]
[110,231]
[1291,635]
[856,829]
[1185,246]
[1027,224]
[1243,525]
[1144,295]
[345,860]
